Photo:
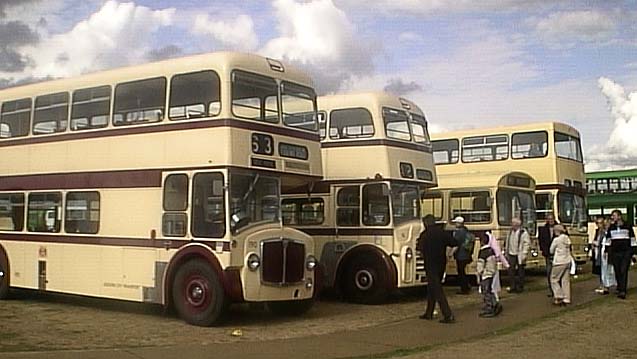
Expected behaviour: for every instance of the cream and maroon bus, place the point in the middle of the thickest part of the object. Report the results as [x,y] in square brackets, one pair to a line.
[550,152]
[365,215]
[161,183]
[487,200]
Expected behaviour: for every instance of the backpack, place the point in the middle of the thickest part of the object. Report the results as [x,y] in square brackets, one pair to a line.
[469,243]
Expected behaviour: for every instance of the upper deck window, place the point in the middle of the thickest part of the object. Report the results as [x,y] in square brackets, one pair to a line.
[351,123]
[15,118]
[194,95]
[255,97]
[140,102]
[529,145]
[298,104]
[90,108]
[485,148]
[419,129]
[567,146]
[396,124]
[51,113]
[446,151]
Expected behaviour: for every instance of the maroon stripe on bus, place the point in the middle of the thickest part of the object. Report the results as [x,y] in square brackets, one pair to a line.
[115,179]
[111,179]
[377,142]
[109,241]
[346,231]
[171,126]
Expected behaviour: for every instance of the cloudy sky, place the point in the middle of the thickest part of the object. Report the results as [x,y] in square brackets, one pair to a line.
[466,63]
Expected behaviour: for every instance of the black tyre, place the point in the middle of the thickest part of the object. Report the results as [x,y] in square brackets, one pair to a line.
[291,308]
[365,281]
[198,295]
[4,276]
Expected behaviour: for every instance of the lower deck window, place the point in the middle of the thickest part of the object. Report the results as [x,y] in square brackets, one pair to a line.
[11,211]
[82,212]
[474,207]
[44,212]
[303,211]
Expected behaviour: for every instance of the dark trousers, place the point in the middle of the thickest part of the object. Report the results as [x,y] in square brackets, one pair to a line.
[436,294]
[621,265]
[463,281]
[516,274]
[549,265]
[488,297]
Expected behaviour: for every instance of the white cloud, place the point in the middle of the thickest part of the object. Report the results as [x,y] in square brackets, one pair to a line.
[236,34]
[319,37]
[117,34]
[428,7]
[577,26]
[621,149]
[410,37]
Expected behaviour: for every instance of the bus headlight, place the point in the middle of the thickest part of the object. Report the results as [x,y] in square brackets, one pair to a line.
[586,249]
[534,253]
[254,262]
[311,262]
[409,254]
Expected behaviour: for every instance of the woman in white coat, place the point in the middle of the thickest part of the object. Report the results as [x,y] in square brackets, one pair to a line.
[560,274]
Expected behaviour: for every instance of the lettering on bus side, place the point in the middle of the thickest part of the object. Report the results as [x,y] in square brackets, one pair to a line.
[262,144]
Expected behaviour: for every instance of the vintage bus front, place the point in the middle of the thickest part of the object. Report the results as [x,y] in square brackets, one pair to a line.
[376,163]
[487,201]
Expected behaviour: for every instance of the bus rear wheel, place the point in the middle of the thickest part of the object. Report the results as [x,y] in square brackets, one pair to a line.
[197,294]
[365,282]
[4,276]
[291,308]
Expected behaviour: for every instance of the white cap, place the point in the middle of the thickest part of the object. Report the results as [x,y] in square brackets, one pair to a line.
[458,219]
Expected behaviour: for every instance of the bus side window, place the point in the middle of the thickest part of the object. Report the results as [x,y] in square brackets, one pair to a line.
[15,118]
[11,212]
[208,206]
[348,211]
[175,218]
[139,102]
[194,95]
[82,212]
[44,212]
[50,114]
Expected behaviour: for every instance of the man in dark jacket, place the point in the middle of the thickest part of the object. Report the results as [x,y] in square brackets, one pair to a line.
[463,255]
[621,250]
[545,237]
[433,243]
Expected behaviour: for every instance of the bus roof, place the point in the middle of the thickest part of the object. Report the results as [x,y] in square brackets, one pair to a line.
[370,100]
[612,174]
[524,127]
[222,62]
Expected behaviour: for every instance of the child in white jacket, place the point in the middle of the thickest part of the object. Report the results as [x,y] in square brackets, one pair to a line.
[487,268]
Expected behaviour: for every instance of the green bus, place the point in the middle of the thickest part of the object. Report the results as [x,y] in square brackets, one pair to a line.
[610,190]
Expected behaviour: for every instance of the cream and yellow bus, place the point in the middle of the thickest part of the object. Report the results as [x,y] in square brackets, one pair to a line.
[161,183]
[365,215]
[487,200]
[550,152]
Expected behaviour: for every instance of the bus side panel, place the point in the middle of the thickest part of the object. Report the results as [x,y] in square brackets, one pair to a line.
[15,252]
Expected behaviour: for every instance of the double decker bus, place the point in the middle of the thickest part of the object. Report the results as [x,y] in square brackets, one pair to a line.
[611,190]
[550,152]
[487,200]
[161,183]
[365,215]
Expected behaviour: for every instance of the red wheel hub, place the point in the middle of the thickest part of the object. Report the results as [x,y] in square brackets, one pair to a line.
[197,292]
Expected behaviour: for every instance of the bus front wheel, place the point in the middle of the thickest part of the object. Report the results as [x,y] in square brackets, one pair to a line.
[198,295]
[365,281]
[291,307]
[4,276]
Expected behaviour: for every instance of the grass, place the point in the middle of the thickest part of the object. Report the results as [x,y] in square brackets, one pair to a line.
[504,331]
